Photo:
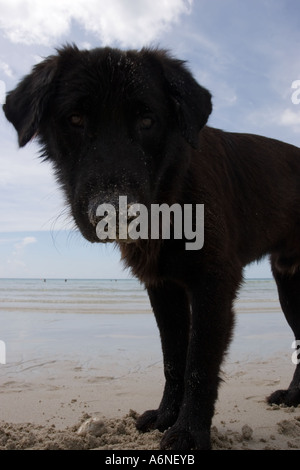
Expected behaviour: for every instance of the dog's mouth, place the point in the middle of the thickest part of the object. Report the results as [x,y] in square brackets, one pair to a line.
[114,221]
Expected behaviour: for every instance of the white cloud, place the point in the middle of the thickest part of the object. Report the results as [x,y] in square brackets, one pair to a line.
[6,69]
[126,22]
[15,263]
[291,119]
[27,241]
[20,245]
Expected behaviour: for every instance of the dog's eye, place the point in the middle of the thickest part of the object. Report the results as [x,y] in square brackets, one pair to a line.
[146,122]
[77,120]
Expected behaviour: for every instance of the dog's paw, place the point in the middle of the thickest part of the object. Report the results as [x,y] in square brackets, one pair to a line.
[155,419]
[180,438]
[289,397]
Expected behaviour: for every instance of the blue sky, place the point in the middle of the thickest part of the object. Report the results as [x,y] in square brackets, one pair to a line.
[246,52]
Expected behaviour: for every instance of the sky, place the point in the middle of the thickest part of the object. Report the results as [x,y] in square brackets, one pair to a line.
[245,52]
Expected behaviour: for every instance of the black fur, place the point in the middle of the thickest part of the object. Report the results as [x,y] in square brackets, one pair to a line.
[133,123]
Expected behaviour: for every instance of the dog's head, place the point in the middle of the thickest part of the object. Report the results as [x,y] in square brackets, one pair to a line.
[114,123]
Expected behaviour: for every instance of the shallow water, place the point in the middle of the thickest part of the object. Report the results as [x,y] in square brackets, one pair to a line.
[112,321]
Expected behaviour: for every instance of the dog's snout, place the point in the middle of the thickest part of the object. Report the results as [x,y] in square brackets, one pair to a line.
[98,207]
[92,211]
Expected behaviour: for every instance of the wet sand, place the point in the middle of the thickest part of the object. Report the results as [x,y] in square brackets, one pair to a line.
[77,367]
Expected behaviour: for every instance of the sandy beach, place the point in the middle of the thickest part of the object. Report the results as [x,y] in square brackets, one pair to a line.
[46,412]
[65,369]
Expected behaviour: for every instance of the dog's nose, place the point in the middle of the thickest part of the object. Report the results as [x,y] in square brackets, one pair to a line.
[113,205]
[117,204]
[92,210]
[106,204]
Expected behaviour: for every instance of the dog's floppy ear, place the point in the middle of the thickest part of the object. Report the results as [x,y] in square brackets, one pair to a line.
[27,103]
[192,102]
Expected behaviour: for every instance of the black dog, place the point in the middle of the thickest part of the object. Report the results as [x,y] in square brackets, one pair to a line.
[133,123]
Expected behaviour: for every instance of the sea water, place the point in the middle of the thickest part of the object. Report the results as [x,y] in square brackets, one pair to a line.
[48,319]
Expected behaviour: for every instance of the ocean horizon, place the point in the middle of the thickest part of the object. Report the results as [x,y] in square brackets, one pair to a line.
[92,321]
[61,295]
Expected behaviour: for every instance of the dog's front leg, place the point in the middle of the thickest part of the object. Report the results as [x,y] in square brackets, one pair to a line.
[211,326]
[172,312]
